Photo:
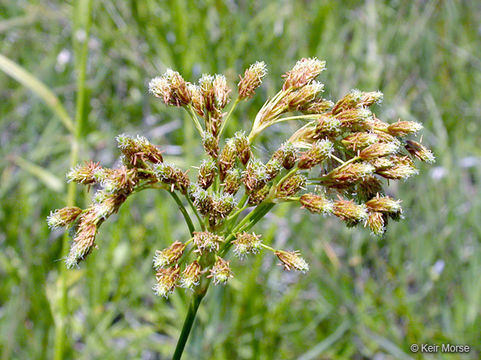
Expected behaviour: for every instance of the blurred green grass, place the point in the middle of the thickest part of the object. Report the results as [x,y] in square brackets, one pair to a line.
[363,298]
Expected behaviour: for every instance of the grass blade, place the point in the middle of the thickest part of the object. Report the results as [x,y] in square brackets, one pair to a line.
[28,80]
[326,343]
[49,179]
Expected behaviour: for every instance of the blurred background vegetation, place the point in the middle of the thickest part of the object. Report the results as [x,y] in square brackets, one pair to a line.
[364,298]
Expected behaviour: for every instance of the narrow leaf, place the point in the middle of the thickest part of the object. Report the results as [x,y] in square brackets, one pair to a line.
[28,80]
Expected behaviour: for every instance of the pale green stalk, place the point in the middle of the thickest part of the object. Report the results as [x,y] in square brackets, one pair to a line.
[81,15]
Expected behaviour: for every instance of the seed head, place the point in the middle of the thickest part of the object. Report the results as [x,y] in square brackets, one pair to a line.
[171,88]
[84,174]
[291,260]
[305,70]
[382,163]
[180,89]
[242,147]
[63,217]
[290,186]
[348,211]
[166,281]
[246,243]
[227,158]
[318,152]
[370,98]
[191,275]
[316,204]
[207,241]
[287,155]
[221,91]
[419,151]
[206,83]
[368,187]
[169,255]
[303,96]
[359,140]
[211,144]
[252,79]
[350,101]
[160,87]
[327,125]
[350,173]
[258,196]
[356,118]
[378,150]
[170,174]
[117,180]
[84,237]
[232,181]
[376,223]
[202,199]
[402,169]
[223,206]
[403,128]
[384,204]
[273,168]
[197,99]
[137,149]
[108,206]
[386,138]
[356,98]
[220,272]
[255,175]
[206,173]
[317,106]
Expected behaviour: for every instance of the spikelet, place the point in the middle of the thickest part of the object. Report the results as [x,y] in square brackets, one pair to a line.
[292,260]
[220,272]
[190,277]
[419,151]
[316,204]
[252,79]
[63,217]
[166,281]
[305,70]
[246,243]
[169,255]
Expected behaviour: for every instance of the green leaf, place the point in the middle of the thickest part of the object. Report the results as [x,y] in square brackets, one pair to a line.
[45,176]
[28,80]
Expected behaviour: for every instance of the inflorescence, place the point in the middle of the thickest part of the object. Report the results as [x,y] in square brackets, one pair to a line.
[335,164]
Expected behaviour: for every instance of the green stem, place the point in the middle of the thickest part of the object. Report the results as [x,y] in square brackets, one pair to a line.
[240,208]
[188,322]
[82,13]
[195,119]
[184,212]
[234,105]
[336,158]
[249,221]
[196,213]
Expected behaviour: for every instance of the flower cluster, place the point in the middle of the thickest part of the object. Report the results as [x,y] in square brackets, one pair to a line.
[336,164]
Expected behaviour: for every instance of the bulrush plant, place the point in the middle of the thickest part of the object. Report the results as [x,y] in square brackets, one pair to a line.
[336,164]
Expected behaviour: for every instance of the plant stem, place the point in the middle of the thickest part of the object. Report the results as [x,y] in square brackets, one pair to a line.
[196,213]
[188,322]
[81,14]
[184,212]
[234,105]
[195,119]
[249,221]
